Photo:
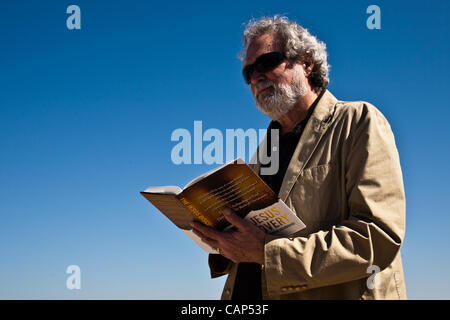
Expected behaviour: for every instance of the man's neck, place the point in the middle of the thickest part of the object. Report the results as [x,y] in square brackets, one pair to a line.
[298,113]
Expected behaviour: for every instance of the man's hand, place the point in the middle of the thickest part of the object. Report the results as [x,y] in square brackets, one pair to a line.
[244,244]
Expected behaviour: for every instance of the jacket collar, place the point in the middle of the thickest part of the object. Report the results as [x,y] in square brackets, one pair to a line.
[312,134]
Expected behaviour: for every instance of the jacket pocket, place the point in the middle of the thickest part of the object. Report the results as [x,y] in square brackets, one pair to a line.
[316,196]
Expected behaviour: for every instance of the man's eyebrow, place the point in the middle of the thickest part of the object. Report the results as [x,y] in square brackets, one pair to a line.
[247,64]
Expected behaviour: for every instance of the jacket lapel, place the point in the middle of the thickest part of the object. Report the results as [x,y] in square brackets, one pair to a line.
[314,130]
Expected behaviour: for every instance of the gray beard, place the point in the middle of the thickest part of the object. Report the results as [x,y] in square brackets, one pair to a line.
[282,99]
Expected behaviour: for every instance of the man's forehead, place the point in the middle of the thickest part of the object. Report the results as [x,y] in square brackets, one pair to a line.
[263,44]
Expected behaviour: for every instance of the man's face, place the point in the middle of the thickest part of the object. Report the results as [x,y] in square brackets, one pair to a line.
[278,90]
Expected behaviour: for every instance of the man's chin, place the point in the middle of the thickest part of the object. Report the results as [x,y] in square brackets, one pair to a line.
[272,113]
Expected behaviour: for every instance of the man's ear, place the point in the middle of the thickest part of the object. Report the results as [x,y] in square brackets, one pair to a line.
[307,64]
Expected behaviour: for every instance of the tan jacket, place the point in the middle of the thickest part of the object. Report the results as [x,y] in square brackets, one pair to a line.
[345,183]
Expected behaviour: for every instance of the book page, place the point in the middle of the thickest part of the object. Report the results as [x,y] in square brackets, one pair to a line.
[235,186]
[190,183]
[198,241]
[164,190]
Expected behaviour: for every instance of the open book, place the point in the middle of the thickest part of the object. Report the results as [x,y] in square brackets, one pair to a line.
[234,185]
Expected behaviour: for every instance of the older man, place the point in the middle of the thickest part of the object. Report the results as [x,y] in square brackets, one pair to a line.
[339,171]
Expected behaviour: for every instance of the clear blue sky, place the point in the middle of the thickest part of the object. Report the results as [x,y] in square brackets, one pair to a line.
[86,117]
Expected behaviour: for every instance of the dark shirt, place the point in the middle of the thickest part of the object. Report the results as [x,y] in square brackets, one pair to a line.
[247,285]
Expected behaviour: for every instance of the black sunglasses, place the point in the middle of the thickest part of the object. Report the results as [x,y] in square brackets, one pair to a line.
[264,63]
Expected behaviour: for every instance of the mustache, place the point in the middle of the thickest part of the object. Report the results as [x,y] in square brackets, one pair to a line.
[264,85]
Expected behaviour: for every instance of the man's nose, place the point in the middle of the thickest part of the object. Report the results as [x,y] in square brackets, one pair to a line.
[257,77]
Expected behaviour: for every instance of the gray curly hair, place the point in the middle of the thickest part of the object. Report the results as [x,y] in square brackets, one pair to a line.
[297,44]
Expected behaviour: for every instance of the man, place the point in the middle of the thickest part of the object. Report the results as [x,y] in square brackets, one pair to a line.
[339,172]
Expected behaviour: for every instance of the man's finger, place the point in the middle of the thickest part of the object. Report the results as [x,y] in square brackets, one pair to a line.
[212,243]
[235,220]
[207,231]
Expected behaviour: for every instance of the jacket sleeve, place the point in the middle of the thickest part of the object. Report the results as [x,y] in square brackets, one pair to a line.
[373,231]
[218,265]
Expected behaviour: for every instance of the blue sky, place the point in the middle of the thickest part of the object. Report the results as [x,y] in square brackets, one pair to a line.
[86,118]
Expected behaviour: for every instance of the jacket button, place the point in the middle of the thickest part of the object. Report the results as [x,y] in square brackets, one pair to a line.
[227,291]
[300,287]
